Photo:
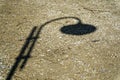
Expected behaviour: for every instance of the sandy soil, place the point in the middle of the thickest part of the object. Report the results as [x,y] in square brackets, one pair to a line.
[52,54]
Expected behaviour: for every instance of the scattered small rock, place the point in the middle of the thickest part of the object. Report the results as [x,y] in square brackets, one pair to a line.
[95,40]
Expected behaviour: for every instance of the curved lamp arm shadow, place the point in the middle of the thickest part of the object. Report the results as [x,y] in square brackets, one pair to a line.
[75,29]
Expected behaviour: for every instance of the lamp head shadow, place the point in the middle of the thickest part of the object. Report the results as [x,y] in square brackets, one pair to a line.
[74,29]
[78,29]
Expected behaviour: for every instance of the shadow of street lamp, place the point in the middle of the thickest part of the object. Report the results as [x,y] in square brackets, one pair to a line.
[76,29]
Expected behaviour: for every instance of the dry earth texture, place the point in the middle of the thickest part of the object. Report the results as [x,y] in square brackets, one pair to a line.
[72,40]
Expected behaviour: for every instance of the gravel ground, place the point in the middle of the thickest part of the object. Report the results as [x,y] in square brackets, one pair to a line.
[53,51]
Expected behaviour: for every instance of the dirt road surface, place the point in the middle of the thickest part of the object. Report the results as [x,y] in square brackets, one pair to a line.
[59,39]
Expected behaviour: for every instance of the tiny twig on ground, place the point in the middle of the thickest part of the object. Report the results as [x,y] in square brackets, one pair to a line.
[93,10]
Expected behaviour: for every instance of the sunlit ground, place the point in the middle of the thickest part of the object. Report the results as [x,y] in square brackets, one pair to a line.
[73,40]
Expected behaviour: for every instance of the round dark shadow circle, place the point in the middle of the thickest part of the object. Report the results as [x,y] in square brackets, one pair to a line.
[78,29]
